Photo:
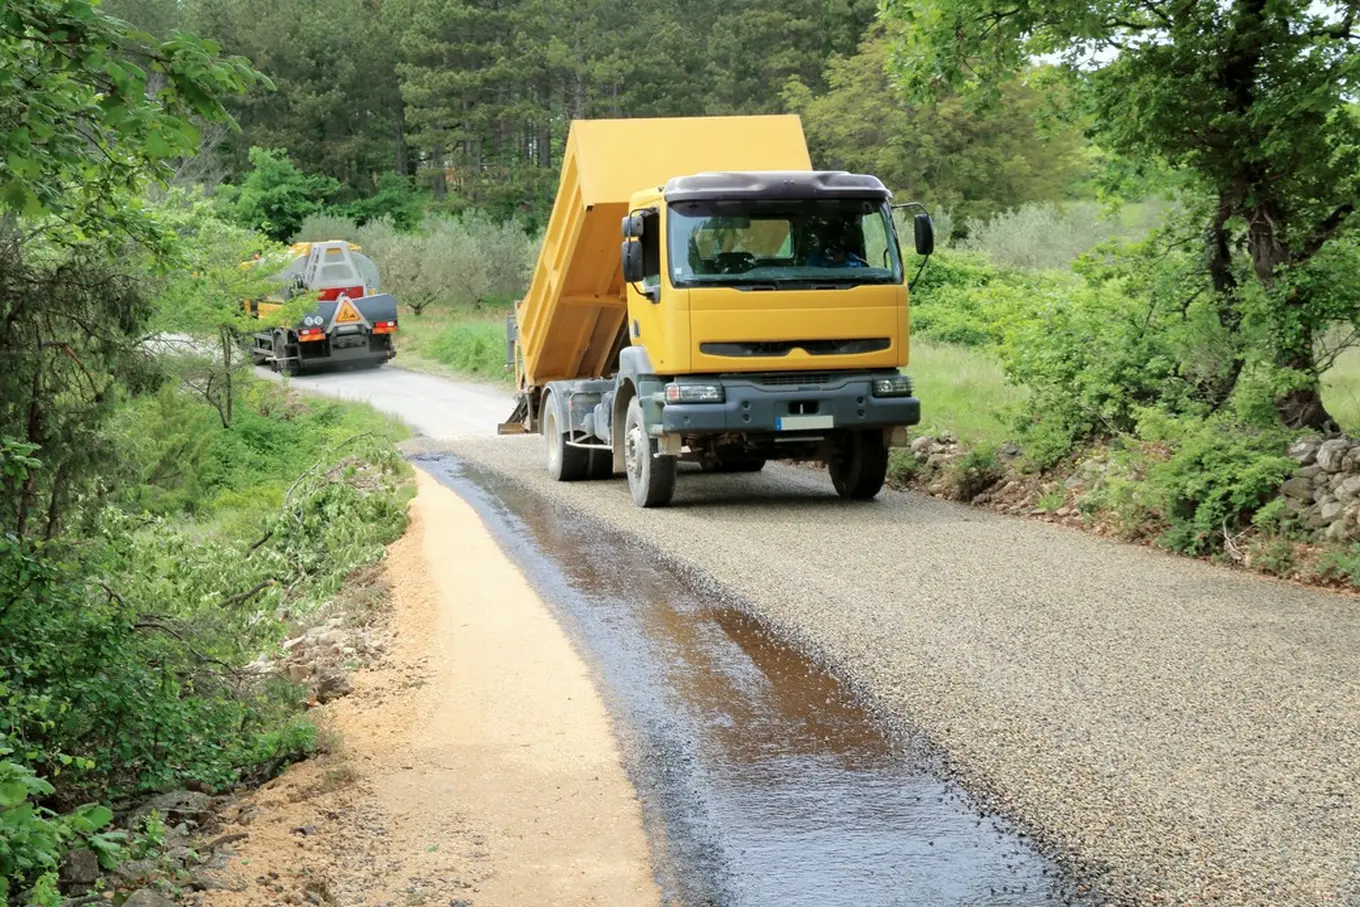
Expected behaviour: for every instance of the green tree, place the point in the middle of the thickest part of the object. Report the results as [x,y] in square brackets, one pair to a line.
[82,127]
[337,108]
[202,304]
[82,121]
[1247,97]
[276,197]
[947,154]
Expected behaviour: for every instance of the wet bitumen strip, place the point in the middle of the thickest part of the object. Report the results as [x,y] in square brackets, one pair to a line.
[763,781]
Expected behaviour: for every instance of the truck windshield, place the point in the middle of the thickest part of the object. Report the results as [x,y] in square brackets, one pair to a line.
[784,244]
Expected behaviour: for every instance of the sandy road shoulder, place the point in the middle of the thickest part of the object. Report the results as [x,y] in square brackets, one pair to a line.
[478,765]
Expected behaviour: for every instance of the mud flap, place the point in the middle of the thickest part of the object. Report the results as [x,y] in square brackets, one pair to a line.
[515,425]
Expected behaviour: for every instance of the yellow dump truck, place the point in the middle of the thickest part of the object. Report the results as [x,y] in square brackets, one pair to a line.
[753,309]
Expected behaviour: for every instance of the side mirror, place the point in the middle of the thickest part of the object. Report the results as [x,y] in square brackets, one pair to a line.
[633,268]
[925,234]
[633,226]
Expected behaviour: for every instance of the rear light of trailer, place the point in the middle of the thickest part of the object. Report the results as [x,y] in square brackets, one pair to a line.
[384,327]
[308,335]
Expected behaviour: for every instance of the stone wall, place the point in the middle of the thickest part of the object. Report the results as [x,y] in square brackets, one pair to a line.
[1325,489]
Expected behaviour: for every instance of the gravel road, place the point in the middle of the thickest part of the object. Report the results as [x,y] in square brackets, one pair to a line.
[1183,733]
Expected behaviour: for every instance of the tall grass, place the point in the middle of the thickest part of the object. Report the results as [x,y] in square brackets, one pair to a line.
[963,391]
[1341,390]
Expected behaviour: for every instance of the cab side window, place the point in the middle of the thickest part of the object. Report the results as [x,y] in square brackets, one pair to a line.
[651,250]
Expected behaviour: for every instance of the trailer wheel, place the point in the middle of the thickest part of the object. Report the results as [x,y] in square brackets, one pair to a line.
[860,465]
[565,463]
[282,364]
[651,478]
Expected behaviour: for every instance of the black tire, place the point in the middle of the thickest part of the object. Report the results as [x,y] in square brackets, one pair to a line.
[565,463]
[282,364]
[743,464]
[651,478]
[601,464]
[860,466]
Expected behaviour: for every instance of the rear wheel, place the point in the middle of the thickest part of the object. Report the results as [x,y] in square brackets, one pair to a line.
[565,463]
[601,464]
[860,466]
[651,478]
[282,364]
[734,464]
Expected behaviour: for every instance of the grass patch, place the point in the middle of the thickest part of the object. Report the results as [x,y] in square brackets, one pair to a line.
[1341,391]
[455,342]
[963,391]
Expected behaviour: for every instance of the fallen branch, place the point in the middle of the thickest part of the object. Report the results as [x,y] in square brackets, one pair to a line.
[247,595]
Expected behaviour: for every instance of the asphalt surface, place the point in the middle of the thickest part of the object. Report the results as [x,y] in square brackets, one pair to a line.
[1178,733]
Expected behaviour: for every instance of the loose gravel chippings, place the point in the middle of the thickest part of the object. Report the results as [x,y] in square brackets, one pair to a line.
[1183,733]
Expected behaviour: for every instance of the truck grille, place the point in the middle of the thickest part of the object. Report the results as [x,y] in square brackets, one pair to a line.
[783,379]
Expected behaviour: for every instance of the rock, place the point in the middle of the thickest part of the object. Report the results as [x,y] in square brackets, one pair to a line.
[1324,496]
[1008,451]
[1072,482]
[333,685]
[1335,481]
[1330,511]
[920,447]
[1349,488]
[1297,487]
[1331,454]
[1351,462]
[135,870]
[259,667]
[211,881]
[298,673]
[145,897]
[1305,450]
[1336,532]
[333,637]
[289,644]
[1312,518]
[79,871]
[178,805]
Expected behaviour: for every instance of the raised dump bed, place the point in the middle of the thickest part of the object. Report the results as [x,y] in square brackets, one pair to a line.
[571,321]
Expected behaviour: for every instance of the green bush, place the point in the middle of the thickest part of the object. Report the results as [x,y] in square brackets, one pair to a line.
[33,839]
[1194,481]
[961,298]
[476,348]
[976,471]
[1044,236]
[121,647]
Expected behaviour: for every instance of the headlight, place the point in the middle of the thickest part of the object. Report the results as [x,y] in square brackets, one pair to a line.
[695,393]
[892,386]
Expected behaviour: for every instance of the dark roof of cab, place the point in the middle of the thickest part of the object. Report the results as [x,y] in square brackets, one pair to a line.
[789,184]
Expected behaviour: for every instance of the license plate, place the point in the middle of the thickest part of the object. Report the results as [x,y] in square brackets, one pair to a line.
[803,423]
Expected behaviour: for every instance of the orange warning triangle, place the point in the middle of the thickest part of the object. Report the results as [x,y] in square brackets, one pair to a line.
[348,314]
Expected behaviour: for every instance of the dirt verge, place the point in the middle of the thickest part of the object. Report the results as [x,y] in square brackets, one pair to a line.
[475,762]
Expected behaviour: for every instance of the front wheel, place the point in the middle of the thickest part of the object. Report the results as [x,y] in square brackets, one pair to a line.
[651,478]
[860,466]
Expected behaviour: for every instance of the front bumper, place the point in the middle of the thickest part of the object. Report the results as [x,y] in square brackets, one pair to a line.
[821,405]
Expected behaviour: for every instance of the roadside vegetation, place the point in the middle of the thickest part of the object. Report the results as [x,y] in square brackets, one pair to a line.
[165,518]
